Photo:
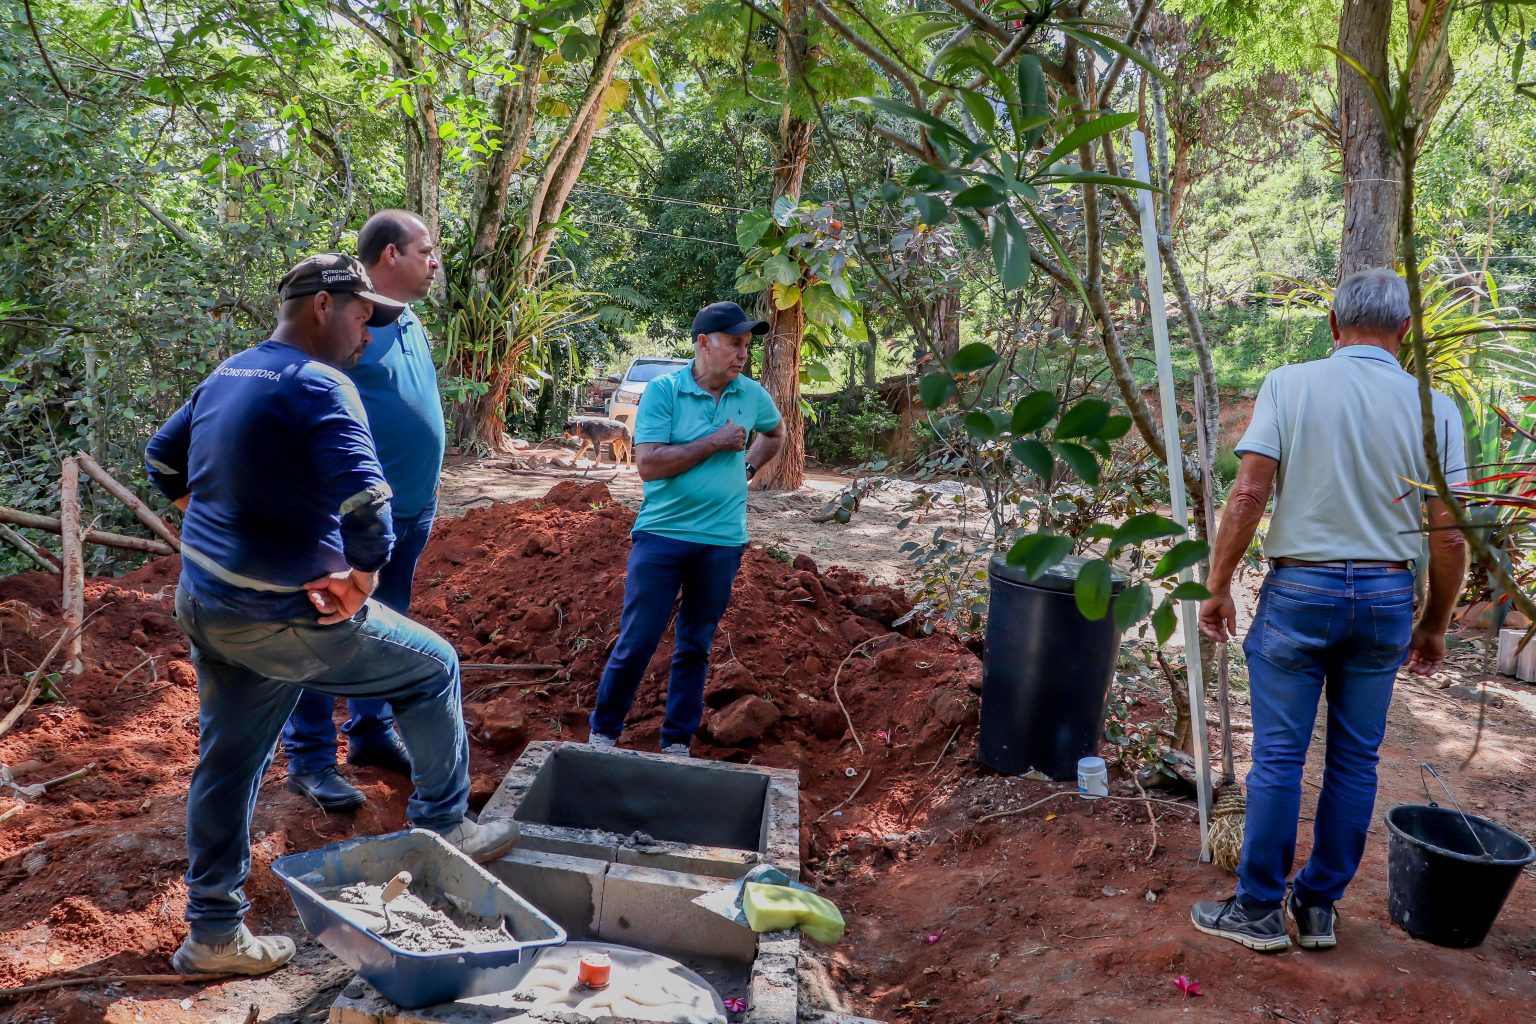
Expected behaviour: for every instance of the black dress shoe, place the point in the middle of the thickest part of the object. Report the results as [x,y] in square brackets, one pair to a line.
[387,752]
[328,789]
[1314,923]
[1260,930]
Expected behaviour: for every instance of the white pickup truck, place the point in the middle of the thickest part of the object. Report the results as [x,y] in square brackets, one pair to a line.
[625,401]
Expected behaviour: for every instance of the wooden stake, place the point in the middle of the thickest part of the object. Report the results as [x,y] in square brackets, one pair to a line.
[27,548]
[74,562]
[1158,308]
[112,540]
[141,511]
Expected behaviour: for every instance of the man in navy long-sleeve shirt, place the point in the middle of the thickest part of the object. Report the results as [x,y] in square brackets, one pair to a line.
[287,524]
[397,381]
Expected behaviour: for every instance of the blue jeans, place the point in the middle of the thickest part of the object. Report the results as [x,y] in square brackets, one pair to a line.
[248,676]
[1343,632]
[658,568]
[309,738]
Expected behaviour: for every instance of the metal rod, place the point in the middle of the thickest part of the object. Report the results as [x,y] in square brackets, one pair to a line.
[1223,665]
[1157,303]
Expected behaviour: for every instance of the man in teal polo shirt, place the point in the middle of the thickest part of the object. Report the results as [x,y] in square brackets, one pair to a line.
[691,451]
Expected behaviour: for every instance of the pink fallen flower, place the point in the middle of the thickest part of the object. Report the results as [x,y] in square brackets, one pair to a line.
[736,1005]
[933,937]
[1189,988]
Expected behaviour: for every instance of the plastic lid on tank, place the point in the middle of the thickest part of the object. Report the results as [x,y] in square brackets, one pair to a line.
[1061,577]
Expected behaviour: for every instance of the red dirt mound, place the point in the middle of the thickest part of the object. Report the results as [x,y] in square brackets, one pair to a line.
[538,581]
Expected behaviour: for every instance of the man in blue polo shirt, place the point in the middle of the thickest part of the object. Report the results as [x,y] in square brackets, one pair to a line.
[398,383]
[691,451]
[287,526]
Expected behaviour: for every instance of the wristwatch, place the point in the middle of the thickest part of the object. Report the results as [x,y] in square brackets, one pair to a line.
[751,471]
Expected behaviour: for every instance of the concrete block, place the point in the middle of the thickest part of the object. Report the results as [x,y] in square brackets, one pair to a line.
[775,995]
[714,861]
[568,889]
[571,842]
[1509,650]
[781,824]
[652,909]
[504,802]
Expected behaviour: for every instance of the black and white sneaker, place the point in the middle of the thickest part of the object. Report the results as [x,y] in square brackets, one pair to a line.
[1260,930]
[1314,924]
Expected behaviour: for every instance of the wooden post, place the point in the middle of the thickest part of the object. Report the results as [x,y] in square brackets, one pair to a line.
[140,510]
[1158,307]
[27,548]
[32,521]
[74,562]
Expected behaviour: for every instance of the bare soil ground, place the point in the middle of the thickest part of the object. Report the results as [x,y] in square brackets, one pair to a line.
[776,519]
[1069,912]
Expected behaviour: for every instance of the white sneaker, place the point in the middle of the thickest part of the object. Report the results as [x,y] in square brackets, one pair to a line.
[602,742]
[676,750]
[483,841]
[244,954]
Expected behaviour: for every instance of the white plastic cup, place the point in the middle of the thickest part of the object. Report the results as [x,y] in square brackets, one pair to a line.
[1092,778]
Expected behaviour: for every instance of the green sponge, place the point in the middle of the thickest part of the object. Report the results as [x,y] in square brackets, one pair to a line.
[772,908]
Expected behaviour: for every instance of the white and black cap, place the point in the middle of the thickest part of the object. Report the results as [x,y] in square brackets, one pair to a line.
[337,272]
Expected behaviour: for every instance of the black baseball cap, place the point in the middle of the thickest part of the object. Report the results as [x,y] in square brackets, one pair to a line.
[727,318]
[338,272]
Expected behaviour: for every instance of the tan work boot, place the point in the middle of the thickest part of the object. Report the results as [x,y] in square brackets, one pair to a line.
[483,841]
[244,954]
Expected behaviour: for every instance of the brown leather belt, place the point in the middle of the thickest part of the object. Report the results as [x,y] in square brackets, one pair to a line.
[1302,563]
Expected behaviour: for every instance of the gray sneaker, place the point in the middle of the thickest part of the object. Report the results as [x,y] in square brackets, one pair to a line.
[244,954]
[676,750]
[602,742]
[1262,931]
[485,840]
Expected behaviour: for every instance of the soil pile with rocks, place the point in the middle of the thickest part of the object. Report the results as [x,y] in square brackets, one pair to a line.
[91,872]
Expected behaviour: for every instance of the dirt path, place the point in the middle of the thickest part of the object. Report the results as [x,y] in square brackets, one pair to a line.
[868,545]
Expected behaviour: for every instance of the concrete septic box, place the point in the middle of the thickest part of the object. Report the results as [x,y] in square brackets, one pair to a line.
[615,846]
[652,810]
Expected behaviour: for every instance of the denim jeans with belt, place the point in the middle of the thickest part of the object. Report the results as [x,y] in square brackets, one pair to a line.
[309,737]
[248,676]
[1343,632]
[658,568]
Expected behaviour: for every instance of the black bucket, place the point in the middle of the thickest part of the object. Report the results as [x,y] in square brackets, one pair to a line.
[1441,885]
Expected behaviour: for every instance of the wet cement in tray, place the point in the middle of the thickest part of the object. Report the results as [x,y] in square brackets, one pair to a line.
[433,925]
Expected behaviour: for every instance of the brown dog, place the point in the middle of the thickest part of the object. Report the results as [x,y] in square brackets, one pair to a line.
[595,431]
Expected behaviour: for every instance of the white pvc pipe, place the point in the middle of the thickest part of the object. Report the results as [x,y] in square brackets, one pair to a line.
[1189,611]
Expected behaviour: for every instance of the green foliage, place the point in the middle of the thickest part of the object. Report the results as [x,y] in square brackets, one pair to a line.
[851,429]
[798,254]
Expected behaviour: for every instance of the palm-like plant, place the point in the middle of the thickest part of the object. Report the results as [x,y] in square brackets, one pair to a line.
[500,337]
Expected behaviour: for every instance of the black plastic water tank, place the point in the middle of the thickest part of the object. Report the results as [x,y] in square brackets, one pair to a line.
[1046,673]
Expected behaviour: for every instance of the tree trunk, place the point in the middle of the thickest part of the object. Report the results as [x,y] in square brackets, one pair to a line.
[944,323]
[569,155]
[514,111]
[786,327]
[1372,185]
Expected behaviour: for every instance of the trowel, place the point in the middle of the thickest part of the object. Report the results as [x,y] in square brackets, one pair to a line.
[393,890]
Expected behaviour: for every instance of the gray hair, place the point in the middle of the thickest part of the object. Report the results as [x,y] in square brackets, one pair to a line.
[1375,300]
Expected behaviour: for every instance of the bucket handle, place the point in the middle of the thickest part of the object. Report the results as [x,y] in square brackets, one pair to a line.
[1425,766]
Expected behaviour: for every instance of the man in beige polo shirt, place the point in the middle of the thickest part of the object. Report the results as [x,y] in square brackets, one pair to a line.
[1336,439]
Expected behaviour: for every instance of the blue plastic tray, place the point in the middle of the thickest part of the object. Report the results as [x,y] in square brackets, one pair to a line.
[414,980]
